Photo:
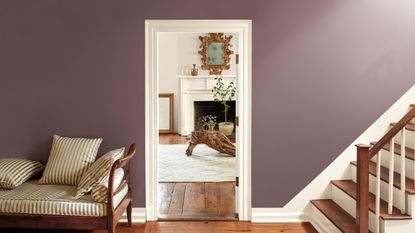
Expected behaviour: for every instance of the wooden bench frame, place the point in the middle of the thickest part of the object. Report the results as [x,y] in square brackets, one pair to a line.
[108,222]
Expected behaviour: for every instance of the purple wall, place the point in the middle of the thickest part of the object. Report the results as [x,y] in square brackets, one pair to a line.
[323,71]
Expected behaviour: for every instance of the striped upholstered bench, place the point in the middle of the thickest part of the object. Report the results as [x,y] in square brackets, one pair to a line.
[32,205]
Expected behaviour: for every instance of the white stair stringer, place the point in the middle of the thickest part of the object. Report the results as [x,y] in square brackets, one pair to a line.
[321,223]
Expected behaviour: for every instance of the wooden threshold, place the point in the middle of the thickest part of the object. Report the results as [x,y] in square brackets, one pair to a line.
[197,217]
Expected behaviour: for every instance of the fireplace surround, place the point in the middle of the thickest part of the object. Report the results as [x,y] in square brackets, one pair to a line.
[198,90]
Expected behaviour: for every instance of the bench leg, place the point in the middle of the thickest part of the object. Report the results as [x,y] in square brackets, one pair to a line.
[129,210]
[111,229]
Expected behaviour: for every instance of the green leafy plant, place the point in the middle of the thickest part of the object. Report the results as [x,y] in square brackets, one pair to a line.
[223,94]
[208,120]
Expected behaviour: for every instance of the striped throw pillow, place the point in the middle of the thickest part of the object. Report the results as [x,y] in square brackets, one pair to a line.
[69,159]
[14,172]
[98,171]
[100,191]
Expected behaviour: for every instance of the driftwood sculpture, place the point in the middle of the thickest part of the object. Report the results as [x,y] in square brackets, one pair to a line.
[213,139]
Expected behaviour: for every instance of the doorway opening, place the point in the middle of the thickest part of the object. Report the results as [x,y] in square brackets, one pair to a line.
[198,122]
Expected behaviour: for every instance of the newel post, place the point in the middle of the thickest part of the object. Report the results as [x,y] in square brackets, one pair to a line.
[362,200]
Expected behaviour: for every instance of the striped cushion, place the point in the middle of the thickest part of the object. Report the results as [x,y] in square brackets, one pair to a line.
[33,199]
[14,172]
[100,191]
[97,172]
[69,159]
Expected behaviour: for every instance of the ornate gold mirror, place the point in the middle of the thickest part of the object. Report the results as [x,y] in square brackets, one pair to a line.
[215,51]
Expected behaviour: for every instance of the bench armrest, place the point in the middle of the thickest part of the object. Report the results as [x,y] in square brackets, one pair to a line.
[125,164]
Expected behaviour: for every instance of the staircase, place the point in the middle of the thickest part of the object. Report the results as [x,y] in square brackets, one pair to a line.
[380,197]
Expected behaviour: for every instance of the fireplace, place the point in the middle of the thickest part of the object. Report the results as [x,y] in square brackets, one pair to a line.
[196,93]
[214,108]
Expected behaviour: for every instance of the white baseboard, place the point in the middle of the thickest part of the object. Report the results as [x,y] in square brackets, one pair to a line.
[258,215]
[277,215]
[138,215]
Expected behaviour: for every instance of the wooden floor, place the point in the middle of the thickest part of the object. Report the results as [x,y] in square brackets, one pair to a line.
[197,200]
[171,138]
[193,227]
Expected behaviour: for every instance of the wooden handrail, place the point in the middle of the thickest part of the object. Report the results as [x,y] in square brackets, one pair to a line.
[364,154]
[392,132]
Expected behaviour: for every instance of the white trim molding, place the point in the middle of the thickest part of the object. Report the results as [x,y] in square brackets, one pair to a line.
[137,215]
[277,215]
[243,105]
[258,215]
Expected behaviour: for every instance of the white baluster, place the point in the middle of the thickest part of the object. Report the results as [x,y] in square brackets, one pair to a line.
[403,169]
[377,206]
[391,171]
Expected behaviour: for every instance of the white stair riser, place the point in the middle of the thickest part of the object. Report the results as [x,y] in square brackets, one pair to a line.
[409,164]
[386,226]
[384,187]
[410,138]
[349,205]
[401,226]
[321,222]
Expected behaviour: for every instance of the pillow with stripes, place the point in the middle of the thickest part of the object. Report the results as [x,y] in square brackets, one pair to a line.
[98,171]
[14,172]
[100,191]
[69,159]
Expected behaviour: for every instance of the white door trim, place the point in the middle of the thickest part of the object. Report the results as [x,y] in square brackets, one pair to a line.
[244,85]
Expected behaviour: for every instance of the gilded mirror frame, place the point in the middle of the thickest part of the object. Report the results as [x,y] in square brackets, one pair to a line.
[215,69]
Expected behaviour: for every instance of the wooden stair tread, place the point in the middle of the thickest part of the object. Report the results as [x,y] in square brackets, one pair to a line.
[384,175]
[338,216]
[409,126]
[349,187]
[409,152]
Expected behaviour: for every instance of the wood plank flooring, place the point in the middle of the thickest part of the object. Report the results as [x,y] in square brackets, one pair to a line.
[197,200]
[193,227]
[172,138]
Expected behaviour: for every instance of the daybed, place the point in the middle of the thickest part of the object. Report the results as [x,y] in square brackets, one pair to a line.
[54,206]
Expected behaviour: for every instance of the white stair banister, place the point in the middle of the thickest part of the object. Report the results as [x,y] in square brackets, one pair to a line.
[377,206]
[391,172]
[403,173]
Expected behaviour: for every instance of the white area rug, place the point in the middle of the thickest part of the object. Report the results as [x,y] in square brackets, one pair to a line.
[205,165]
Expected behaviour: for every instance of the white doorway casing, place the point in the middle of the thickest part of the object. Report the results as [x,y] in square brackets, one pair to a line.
[243,104]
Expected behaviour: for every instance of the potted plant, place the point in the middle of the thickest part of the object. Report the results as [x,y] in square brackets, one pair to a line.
[208,122]
[223,94]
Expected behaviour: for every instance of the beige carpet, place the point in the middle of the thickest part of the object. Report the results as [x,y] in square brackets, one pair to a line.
[205,165]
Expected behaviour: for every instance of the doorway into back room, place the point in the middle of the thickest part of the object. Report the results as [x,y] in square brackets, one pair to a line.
[197,132]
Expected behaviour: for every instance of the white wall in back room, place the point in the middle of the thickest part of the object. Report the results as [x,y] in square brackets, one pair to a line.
[189,54]
[168,69]
[177,53]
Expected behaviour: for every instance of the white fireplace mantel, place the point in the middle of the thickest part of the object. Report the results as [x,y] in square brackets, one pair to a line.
[195,88]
